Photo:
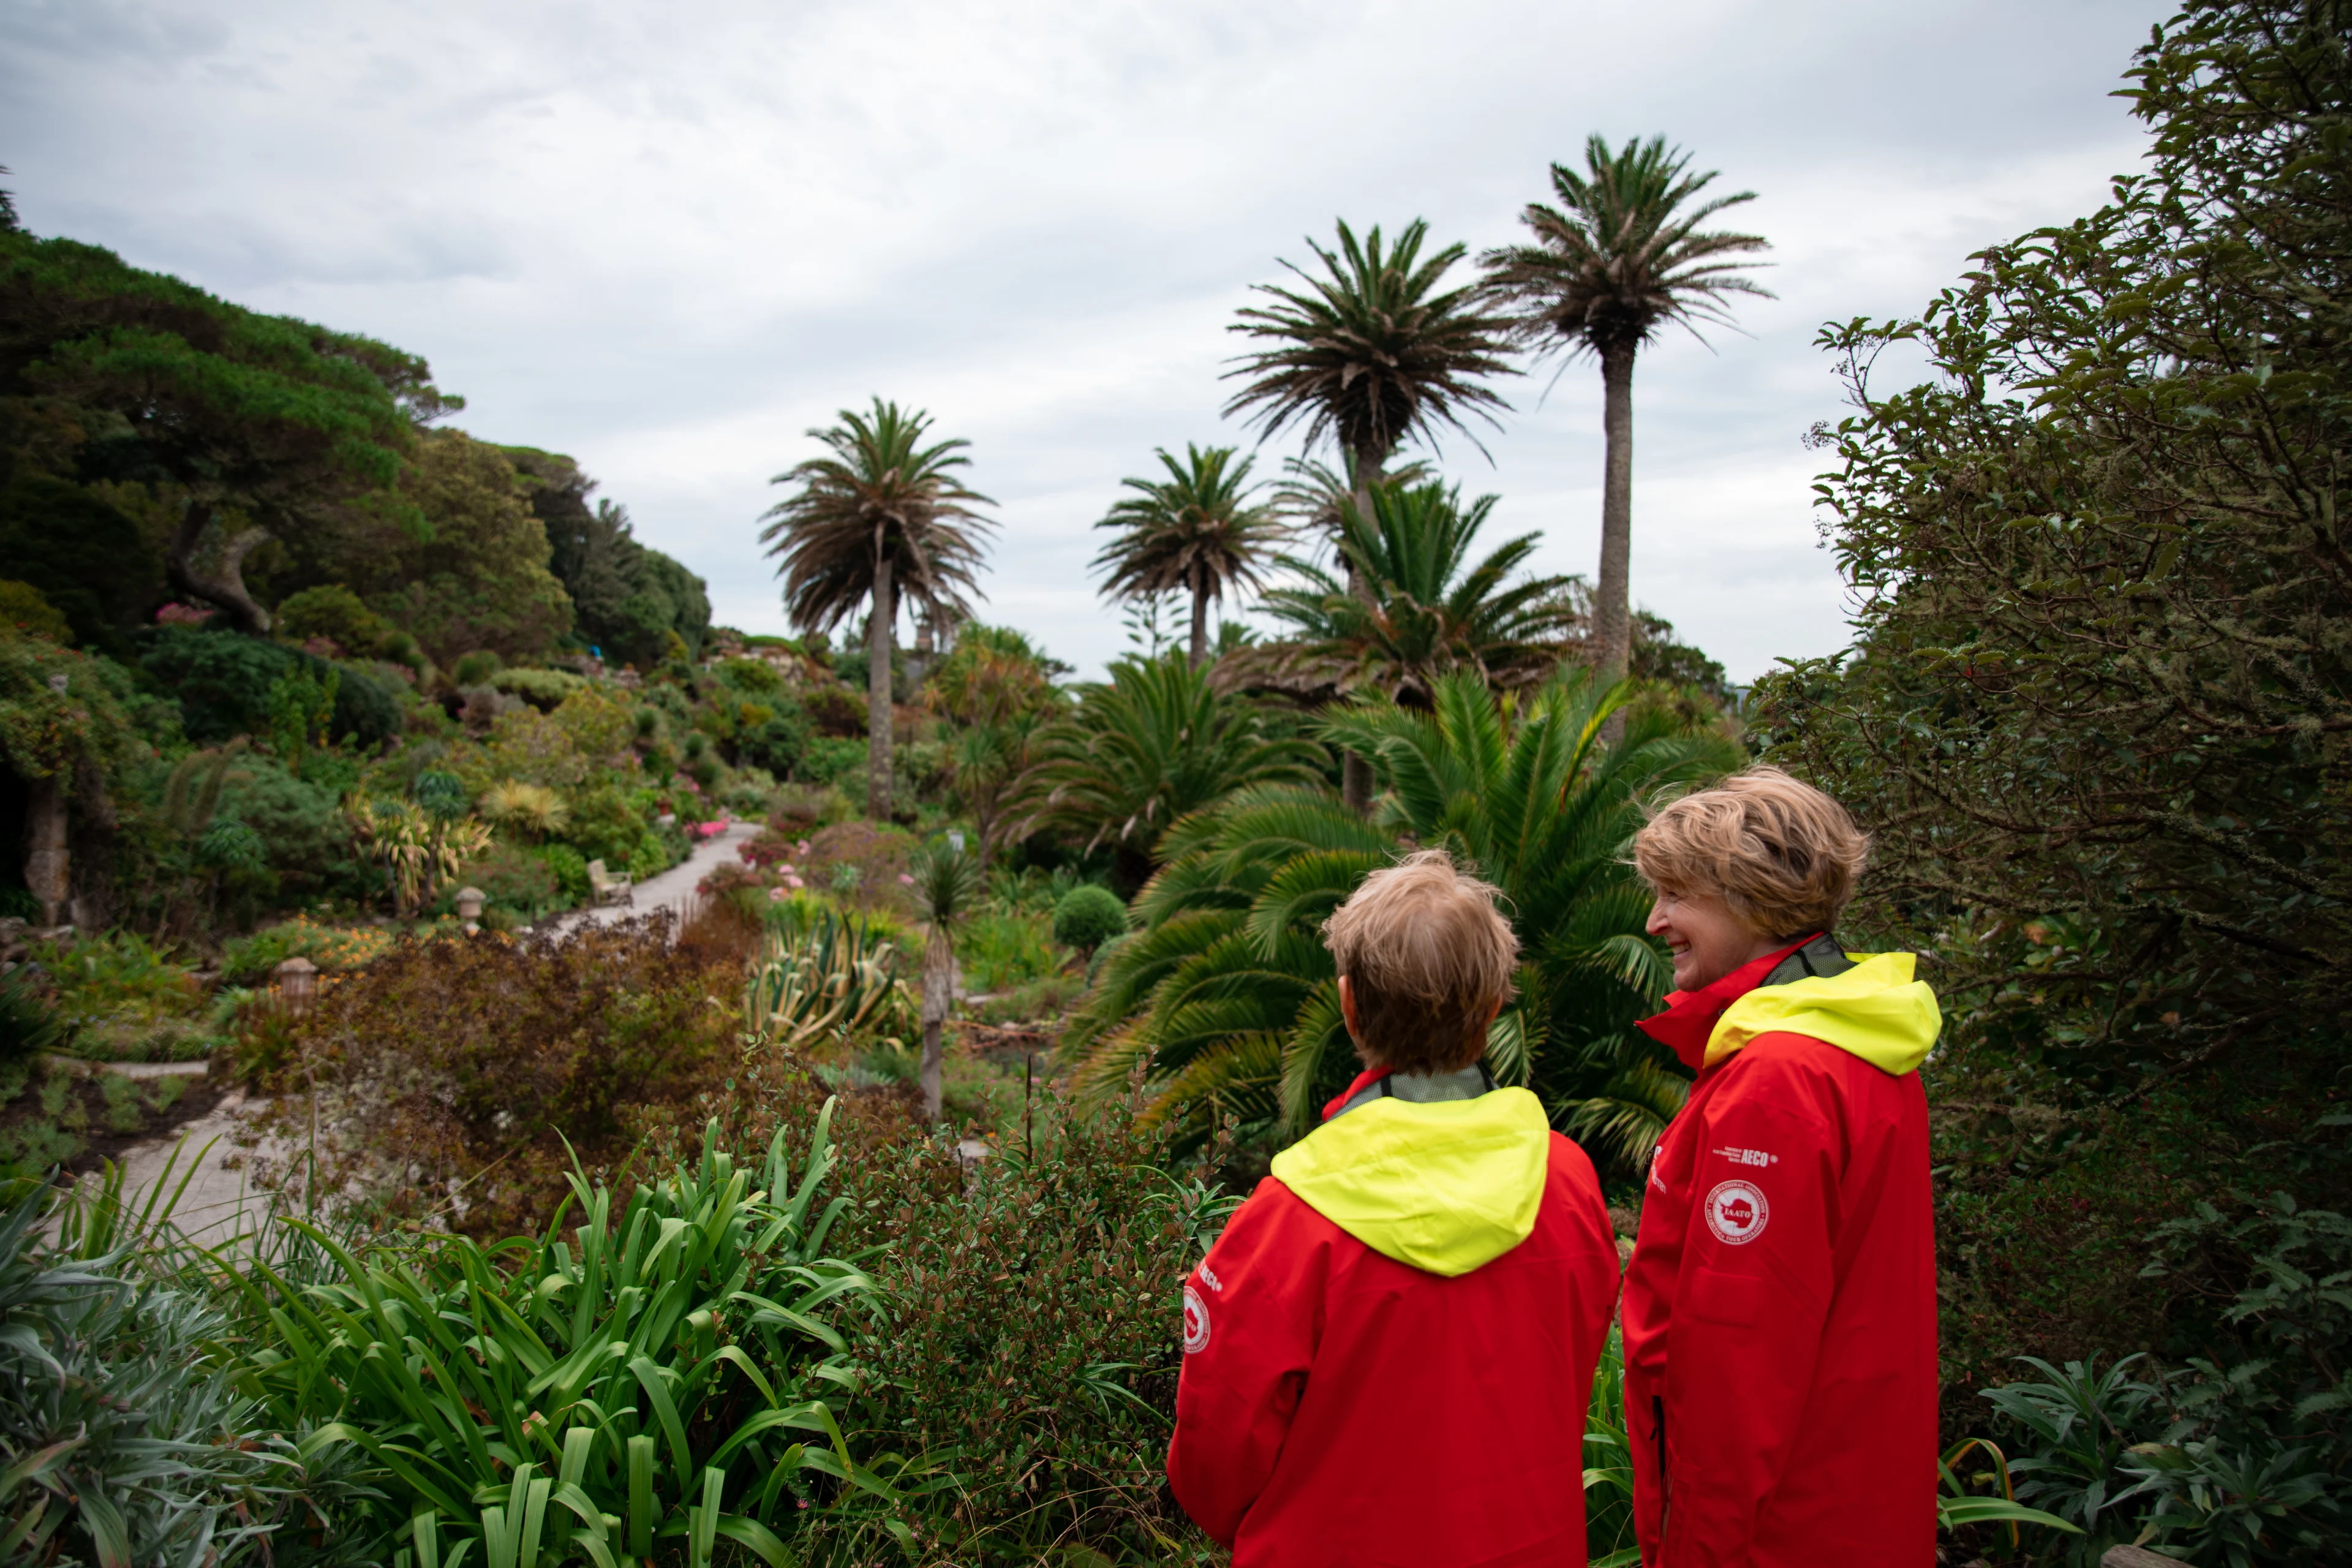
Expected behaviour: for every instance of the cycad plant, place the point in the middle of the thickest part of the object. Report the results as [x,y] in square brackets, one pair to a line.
[1417,603]
[881,517]
[1150,744]
[946,890]
[1225,996]
[1195,532]
[1621,256]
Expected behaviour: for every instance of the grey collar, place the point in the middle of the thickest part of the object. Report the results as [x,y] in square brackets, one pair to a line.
[1422,1089]
[1822,957]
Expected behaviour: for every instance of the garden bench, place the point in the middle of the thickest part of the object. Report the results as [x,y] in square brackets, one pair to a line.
[609,888]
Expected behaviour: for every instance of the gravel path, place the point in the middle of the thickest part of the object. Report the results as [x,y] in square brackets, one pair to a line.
[674,889]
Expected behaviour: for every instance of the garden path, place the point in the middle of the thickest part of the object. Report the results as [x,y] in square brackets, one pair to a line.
[673,889]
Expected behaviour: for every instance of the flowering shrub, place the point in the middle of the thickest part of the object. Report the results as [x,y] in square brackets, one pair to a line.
[251,959]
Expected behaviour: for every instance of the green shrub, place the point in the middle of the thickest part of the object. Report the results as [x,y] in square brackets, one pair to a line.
[607,825]
[1089,917]
[475,668]
[116,977]
[1032,1365]
[999,951]
[223,681]
[252,960]
[21,604]
[677,1377]
[780,742]
[28,1023]
[545,689]
[514,877]
[571,872]
[301,825]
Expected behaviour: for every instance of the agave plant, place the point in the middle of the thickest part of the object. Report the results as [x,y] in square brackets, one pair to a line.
[1225,999]
[825,984]
[670,1384]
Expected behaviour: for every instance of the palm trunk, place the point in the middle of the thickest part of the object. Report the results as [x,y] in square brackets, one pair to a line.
[938,986]
[1355,772]
[1200,617]
[1613,616]
[878,690]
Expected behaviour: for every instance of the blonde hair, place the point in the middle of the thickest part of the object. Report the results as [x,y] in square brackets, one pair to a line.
[1783,856]
[1427,959]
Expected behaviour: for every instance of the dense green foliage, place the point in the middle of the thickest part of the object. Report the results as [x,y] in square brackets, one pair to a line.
[1225,996]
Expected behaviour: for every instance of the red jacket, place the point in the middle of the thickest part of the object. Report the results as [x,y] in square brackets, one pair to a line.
[1389,1351]
[1780,1317]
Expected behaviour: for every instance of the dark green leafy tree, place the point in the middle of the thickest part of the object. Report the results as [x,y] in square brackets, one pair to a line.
[1370,353]
[1619,259]
[999,690]
[1194,533]
[628,597]
[1137,751]
[258,427]
[2100,702]
[881,516]
[1423,603]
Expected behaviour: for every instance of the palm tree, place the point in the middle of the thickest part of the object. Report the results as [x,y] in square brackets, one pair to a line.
[1224,998]
[1153,742]
[882,516]
[1314,495]
[1370,354]
[946,886]
[1420,605]
[1619,259]
[1195,531]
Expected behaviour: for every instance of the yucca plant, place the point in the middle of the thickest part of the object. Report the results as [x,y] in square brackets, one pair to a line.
[825,984]
[418,847]
[946,890]
[1226,998]
[671,1384]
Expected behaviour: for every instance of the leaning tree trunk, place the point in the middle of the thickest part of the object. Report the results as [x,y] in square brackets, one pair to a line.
[1612,614]
[939,988]
[877,691]
[1355,772]
[225,587]
[1200,617]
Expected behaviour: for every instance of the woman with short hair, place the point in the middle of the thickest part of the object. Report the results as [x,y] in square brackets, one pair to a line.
[1780,1310]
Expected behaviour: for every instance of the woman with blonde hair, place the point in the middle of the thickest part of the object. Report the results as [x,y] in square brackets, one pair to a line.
[1780,1310]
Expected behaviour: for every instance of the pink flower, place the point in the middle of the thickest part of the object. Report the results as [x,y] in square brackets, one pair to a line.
[776,895]
[906,878]
[801,848]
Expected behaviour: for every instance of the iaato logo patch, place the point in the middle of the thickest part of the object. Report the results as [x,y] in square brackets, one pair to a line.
[1736,1212]
[1196,1322]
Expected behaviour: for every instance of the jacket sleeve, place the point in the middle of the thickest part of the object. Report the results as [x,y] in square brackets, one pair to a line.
[1252,1312]
[1751,1302]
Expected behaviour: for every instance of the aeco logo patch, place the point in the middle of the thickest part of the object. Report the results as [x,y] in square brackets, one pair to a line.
[1736,1212]
[1196,1322]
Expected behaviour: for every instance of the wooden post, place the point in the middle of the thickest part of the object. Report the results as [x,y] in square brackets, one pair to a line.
[2137,1557]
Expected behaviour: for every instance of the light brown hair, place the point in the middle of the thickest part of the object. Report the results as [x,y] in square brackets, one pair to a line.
[1428,960]
[1783,856]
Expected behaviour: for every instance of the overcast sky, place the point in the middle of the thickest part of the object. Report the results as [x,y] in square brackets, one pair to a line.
[668,239]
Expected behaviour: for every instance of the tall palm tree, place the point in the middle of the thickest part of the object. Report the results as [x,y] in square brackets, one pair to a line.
[1621,256]
[1195,531]
[881,516]
[1421,605]
[1369,354]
